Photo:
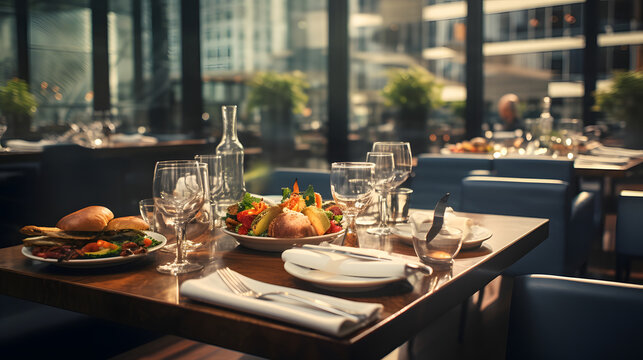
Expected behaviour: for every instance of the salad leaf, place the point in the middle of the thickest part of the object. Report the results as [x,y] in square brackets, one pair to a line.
[285,193]
[309,196]
[246,202]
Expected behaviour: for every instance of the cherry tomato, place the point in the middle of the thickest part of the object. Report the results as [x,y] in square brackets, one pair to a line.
[90,247]
[243,230]
[334,227]
[246,217]
[147,242]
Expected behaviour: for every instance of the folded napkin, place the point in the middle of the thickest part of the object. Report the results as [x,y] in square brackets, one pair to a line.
[614,160]
[344,265]
[212,290]
[132,139]
[450,220]
[23,145]
[615,151]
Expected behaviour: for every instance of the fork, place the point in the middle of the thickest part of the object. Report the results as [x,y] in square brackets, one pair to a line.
[237,286]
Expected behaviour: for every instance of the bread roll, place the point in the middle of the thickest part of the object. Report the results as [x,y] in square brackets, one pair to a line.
[291,225]
[91,218]
[127,223]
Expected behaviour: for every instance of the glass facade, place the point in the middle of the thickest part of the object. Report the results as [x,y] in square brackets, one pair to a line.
[531,48]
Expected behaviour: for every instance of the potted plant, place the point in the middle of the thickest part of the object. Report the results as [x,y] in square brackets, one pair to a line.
[17,104]
[278,96]
[623,101]
[414,92]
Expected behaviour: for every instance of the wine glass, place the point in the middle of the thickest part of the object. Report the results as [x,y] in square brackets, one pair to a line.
[383,177]
[351,184]
[215,182]
[179,193]
[402,159]
[3,129]
[148,212]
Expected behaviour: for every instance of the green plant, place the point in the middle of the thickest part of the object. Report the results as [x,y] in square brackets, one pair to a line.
[279,90]
[412,88]
[623,100]
[15,98]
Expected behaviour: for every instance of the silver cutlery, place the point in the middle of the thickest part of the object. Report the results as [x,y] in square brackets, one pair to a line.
[409,266]
[232,281]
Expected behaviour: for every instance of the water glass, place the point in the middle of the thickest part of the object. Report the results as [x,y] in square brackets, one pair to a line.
[383,176]
[351,184]
[148,212]
[442,249]
[215,181]
[398,201]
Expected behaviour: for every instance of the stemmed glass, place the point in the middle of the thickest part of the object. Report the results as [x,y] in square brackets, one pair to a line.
[351,184]
[402,165]
[3,129]
[215,182]
[383,177]
[179,193]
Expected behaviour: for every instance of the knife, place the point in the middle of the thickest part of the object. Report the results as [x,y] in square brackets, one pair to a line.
[409,266]
[438,218]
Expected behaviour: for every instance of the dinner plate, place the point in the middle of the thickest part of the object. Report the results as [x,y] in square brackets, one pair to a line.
[100,262]
[337,282]
[475,238]
[279,244]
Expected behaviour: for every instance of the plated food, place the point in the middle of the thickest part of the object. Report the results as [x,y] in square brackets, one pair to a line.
[477,145]
[299,215]
[90,233]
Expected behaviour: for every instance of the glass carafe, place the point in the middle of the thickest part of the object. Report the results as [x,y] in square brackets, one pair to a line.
[231,151]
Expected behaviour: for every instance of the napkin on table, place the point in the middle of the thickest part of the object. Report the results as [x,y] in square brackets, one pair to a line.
[212,290]
[23,145]
[616,151]
[344,265]
[450,220]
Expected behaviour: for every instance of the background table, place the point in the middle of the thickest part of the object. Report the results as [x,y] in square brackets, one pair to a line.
[137,295]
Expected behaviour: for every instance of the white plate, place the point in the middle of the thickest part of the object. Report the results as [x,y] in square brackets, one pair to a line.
[337,282]
[279,244]
[475,238]
[100,262]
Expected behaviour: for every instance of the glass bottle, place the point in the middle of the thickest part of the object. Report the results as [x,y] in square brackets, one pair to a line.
[231,151]
[546,121]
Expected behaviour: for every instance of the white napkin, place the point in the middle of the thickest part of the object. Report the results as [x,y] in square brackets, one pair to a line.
[212,290]
[450,220]
[23,145]
[132,138]
[615,151]
[614,160]
[344,265]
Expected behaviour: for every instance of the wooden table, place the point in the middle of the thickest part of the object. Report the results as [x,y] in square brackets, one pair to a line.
[606,170]
[137,295]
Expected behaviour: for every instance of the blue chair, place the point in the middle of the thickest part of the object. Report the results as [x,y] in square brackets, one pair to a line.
[285,177]
[554,317]
[541,198]
[629,241]
[436,175]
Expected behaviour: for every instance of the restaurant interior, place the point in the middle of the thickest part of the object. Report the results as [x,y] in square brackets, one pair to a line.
[396,179]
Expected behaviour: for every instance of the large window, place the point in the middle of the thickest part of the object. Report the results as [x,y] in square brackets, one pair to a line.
[8,44]
[270,48]
[60,52]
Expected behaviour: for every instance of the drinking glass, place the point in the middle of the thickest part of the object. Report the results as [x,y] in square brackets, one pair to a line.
[403,162]
[215,182]
[179,193]
[351,184]
[3,129]
[442,249]
[383,177]
[148,212]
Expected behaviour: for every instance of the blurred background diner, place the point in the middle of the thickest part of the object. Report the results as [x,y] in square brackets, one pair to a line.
[94,93]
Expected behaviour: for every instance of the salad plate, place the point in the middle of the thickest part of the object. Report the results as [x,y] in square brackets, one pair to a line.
[476,237]
[272,244]
[338,282]
[100,262]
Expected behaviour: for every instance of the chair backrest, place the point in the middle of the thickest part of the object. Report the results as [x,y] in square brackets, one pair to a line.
[542,198]
[555,317]
[537,168]
[285,177]
[628,221]
[436,175]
